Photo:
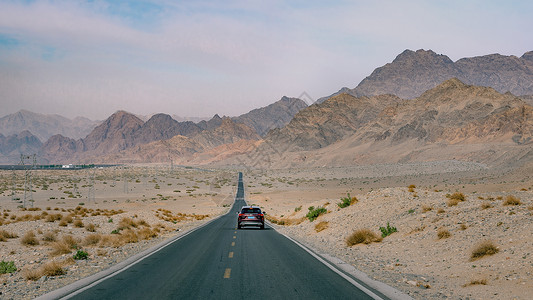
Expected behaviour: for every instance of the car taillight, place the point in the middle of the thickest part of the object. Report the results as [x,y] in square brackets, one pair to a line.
[241,215]
[261,215]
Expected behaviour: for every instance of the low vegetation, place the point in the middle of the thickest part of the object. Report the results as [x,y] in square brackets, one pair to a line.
[455,198]
[29,239]
[50,269]
[443,234]
[483,249]
[315,212]
[386,231]
[321,226]
[476,282]
[7,267]
[511,200]
[347,201]
[362,236]
[80,254]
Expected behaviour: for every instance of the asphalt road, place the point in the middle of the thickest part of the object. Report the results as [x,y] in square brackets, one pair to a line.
[218,261]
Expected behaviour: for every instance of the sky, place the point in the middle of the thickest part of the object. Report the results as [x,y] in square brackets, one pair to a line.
[199,58]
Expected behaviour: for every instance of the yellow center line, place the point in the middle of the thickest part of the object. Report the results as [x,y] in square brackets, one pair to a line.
[230,255]
[235,232]
[227,273]
[234,237]
[232,244]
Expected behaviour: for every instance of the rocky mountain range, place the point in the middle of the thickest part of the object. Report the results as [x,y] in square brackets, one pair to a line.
[451,121]
[44,126]
[413,72]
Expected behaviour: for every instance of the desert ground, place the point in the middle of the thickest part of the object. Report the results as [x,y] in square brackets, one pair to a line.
[442,211]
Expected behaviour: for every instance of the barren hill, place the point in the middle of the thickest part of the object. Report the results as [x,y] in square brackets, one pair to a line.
[13,145]
[451,121]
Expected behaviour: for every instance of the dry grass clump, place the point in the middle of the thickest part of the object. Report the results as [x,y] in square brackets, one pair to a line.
[90,227]
[443,234]
[362,236]
[167,215]
[455,198]
[146,233]
[285,221]
[512,200]
[4,235]
[486,205]
[50,269]
[29,239]
[483,249]
[441,211]
[78,223]
[321,226]
[411,188]
[50,236]
[92,239]
[53,217]
[476,282]
[426,208]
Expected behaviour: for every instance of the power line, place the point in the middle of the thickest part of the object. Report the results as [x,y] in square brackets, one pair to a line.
[28,189]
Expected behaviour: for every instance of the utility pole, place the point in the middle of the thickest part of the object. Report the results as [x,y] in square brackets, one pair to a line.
[28,189]
[90,195]
[125,180]
[14,187]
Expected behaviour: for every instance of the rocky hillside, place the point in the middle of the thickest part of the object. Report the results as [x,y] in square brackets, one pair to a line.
[44,126]
[451,121]
[413,72]
[275,115]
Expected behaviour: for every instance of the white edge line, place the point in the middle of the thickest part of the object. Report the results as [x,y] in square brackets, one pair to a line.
[381,287]
[83,284]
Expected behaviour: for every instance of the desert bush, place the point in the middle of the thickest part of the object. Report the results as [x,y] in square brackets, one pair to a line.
[386,231]
[411,188]
[146,233]
[511,200]
[4,235]
[70,241]
[49,236]
[362,236]
[92,239]
[53,217]
[458,196]
[60,248]
[126,223]
[426,208]
[90,227]
[452,202]
[483,249]
[441,211]
[50,269]
[297,209]
[347,201]
[315,212]
[321,226]
[443,234]
[476,282]
[78,223]
[129,236]
[29,239]
[486,205]
[80,254]
[7,267]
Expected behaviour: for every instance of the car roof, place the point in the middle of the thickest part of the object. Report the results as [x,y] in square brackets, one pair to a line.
[249,206]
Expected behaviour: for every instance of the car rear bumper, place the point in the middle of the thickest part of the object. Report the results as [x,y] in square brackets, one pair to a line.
[251,223]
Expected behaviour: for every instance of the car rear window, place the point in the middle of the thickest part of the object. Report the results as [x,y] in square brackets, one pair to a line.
[251,211]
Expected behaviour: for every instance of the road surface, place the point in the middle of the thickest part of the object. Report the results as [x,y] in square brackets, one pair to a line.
[218,261]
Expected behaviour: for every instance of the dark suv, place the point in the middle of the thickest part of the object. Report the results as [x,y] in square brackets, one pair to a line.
[251,216]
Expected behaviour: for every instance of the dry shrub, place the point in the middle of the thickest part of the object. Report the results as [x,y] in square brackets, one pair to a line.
[60,248]
[443,234]
[29,239]
[129,236]
[92,239]
[53,217]
[426,208]
[63,223]
[486,205]
[53,269]
[78,223]
[7,235]
[441,211]
[452,202]
[483,249]
[476,282]
[146,234]
[90,227]
[362,236]
[463,227]
[70,241]
[126,223]
[512,200]
[108,240]
[101,252]
[458,196]
[285,221]
[321,226]
[49,236]
[411,188]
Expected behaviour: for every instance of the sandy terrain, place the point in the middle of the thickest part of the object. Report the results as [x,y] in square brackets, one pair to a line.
[414,259]
[155,202]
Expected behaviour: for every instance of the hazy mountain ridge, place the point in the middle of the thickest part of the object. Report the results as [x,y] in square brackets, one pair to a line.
[12,146]
[44,126]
